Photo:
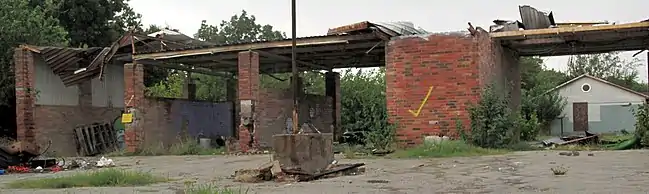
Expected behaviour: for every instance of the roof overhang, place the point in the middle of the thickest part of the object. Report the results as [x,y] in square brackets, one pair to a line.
[576,39]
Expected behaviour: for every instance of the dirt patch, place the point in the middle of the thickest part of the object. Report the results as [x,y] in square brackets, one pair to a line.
[521,172]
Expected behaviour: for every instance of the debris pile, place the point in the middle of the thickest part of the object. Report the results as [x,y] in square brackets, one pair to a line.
[585,138]
[273,171]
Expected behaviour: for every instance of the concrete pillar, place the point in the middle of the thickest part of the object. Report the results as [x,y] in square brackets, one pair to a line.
[25,94]
[311,153]
[189,87]
[248,93]
[134,101]
[332,87]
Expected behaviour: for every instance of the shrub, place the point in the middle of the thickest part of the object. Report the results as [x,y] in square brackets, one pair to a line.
[529,127]
[491,121]
[642,124]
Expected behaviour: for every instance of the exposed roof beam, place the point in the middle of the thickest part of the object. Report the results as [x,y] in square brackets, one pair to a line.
[280,57]
[254,46]
[181,68]
[568,30]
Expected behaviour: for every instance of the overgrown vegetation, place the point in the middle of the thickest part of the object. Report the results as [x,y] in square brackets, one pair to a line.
[492,122]
[102,178]
[451,148]
[211,189]
[642,124]
[186,146]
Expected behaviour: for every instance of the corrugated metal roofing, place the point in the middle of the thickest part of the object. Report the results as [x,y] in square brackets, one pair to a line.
[390,29]
[190,47]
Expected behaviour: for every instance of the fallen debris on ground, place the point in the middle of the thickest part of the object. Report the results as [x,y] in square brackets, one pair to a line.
[272,171]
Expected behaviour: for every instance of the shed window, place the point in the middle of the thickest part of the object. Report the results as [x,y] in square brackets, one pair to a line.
[585,87]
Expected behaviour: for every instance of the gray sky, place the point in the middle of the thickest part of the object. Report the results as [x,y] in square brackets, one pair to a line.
[315,17]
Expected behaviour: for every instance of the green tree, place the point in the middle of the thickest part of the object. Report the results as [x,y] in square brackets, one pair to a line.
[239,29]
[94,23]
[608,66]
[23,24]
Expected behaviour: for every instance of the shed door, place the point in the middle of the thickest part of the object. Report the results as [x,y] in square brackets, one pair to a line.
[580,116]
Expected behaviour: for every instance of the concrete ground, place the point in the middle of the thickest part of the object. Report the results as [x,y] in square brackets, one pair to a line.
[521,172]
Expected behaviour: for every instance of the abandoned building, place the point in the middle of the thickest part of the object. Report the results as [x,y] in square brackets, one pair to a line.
[431,79]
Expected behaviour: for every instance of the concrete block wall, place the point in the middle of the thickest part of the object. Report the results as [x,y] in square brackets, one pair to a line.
[454,67]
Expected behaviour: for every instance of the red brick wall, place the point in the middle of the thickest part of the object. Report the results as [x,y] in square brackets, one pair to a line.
[445,61]
[25,94]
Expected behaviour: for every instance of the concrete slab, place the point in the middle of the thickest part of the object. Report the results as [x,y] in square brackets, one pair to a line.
[310,153]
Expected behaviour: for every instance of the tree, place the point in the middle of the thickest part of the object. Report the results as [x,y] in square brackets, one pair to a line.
[608,66]
[23,24]
[94,23]
[240,28]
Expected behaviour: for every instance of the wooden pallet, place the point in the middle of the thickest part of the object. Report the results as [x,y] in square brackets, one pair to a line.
[95,139]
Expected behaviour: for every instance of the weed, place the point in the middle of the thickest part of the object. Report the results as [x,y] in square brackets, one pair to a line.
[451,148]
[184,147]
[101,178]
[211,189]
[559,170]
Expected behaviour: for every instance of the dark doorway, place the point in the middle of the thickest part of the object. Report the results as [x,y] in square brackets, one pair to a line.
[580,116]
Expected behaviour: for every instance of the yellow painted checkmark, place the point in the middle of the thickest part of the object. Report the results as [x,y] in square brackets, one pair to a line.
[423,102]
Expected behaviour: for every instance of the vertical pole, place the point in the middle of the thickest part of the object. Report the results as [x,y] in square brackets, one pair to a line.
[294,69]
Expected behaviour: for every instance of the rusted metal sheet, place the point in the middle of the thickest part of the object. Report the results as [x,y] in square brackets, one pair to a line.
[388,28]
[350,28]
[534,19]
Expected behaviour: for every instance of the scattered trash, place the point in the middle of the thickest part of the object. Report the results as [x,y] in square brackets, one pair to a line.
[104,162]
[2,172]
[572,153]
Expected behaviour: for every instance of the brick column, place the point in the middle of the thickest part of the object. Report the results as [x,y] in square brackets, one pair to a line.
[332,87]
[134,101]
[248,91]
[25,94]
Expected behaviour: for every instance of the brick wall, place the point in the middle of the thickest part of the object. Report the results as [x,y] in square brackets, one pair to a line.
[41,123]
[163,118]
[275,106]
[446,62]
[457,66]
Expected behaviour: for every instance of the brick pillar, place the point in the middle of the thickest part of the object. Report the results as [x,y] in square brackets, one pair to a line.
[25,94]
[332,87]
[134,101]
[248,91]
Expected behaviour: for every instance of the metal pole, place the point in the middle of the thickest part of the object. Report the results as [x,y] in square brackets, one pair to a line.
[294,79]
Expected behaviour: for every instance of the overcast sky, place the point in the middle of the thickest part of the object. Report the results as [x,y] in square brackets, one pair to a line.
[315,17]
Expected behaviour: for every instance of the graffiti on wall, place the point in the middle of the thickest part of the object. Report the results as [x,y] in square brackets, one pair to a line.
[423,102]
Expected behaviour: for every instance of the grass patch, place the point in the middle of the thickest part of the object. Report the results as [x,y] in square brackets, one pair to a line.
[211,189]
[446,149]
[101,178]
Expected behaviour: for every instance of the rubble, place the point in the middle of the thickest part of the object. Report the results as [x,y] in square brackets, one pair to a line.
[272,171]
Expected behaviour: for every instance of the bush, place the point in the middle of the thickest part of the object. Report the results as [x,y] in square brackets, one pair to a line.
[382,137]
[529,127]
[491,121]
[642,124]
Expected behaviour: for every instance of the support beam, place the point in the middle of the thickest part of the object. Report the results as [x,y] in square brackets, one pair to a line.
[181,68]
[280,57]
[325,40]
